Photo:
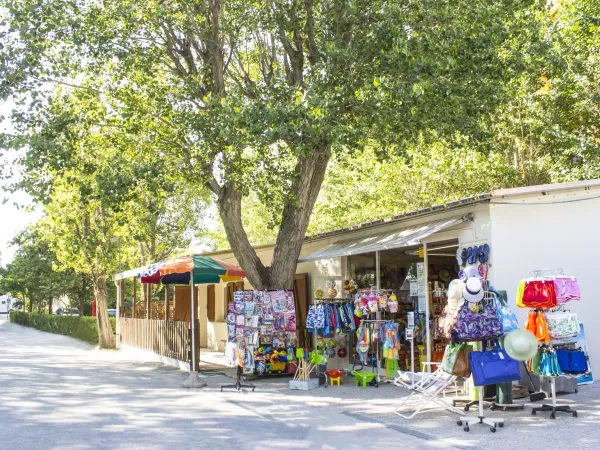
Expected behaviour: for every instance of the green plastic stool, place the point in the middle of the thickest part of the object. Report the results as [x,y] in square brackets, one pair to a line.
[364,377]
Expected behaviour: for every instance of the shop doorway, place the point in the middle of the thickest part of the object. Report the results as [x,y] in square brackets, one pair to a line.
[398,272]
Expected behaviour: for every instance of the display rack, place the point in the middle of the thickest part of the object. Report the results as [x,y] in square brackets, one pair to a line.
[553,408]
[468,420]
[377,321]
[238,386]
[481,419]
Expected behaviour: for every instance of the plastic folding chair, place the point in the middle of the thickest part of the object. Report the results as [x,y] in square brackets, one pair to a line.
[427,391]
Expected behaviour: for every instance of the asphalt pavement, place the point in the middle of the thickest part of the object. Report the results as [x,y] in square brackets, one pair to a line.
[59,393]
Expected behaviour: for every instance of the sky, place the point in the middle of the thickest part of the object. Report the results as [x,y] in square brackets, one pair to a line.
[12,219]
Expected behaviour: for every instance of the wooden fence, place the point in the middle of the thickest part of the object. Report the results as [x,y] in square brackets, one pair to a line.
[163,337]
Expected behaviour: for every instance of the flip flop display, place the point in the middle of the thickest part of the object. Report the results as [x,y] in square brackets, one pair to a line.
[459,255]
[470,255]
[484,253]
[483,271]
[463,256]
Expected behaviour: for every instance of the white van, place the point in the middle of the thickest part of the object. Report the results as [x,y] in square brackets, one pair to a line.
[7,304]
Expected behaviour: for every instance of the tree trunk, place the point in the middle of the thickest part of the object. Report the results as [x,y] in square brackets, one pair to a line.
[106,336]
[30,304]
[310,172]
[295,219]
[82,295]
[230,210]
[50,301]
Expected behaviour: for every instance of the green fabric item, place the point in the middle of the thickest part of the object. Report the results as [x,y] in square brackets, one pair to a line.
[207,270]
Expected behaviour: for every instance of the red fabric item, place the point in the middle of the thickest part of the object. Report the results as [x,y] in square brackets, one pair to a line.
[539,295]
[93,308]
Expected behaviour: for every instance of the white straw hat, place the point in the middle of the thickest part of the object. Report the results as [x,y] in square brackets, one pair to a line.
[521,345]
[473,292]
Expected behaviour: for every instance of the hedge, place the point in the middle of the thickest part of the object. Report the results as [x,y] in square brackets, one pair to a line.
[83,328]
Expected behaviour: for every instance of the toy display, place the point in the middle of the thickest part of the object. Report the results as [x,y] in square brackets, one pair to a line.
[266,321]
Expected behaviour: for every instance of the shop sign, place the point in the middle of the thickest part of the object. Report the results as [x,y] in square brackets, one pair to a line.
[413,289]
[410,318]
[409,334]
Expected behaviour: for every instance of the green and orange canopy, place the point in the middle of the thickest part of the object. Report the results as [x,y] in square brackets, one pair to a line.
[201,269]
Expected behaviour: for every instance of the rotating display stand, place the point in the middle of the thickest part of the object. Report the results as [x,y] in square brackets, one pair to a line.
[554,408]
[466,421]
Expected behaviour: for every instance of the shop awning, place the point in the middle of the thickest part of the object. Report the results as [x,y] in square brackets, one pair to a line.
[404,237]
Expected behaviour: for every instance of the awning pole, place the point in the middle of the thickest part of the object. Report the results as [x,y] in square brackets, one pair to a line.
[194,367]
[377,270]
[194,379]
[427,312]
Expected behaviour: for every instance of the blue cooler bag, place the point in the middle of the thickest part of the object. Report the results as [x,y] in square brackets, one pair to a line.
[493,367]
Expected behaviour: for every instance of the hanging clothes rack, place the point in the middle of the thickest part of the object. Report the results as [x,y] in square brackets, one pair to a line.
[553,408]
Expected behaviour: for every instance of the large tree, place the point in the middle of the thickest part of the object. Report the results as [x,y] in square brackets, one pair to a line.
[105,200]
[257,96]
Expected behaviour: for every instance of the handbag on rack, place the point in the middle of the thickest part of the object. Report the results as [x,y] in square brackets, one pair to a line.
[449,359]
[470,326]
[562,325]
[462,366]
[493,367]
[571,361]
[507,317]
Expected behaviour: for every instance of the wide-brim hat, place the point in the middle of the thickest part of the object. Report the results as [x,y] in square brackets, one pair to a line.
[455,290]
[473,292]
[472,271]
[521,345]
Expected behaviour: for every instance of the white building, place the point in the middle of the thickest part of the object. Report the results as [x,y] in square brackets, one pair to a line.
[539,227]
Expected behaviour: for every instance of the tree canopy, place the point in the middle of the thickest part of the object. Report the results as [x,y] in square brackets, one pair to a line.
[252,100]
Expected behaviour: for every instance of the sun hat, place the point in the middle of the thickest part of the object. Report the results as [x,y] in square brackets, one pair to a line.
[521,345]
[455,289]
[471,272]
[473,292]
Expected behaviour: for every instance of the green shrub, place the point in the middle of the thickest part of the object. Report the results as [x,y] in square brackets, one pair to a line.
[83,328]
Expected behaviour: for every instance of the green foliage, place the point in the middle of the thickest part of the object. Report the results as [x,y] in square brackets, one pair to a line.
[362,188]
[82,328]
[33,274]
[240,97]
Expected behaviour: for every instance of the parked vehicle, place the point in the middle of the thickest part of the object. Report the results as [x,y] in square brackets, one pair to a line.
[112,312]
[8,304]
[67,312]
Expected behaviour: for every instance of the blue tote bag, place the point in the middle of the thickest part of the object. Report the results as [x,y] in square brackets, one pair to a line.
[493,367]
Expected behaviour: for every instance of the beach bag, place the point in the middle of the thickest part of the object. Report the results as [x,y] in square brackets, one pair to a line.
[462,366]
[507,317]
[572,361]
[562,325]
[471,326]
[493,367]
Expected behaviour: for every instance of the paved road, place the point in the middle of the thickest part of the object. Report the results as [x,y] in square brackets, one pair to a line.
[58,393]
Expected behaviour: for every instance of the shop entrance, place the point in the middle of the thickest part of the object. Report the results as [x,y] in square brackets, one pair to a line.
[396,271]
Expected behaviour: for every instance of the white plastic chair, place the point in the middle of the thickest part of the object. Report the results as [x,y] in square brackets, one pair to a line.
[427,391]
